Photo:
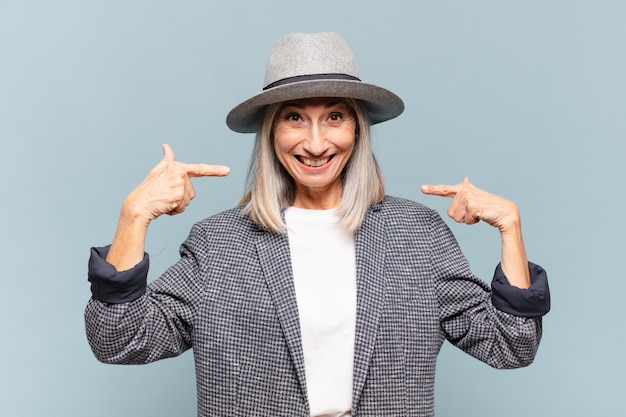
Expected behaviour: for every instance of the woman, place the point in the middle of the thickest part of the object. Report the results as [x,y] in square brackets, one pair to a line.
[318,295]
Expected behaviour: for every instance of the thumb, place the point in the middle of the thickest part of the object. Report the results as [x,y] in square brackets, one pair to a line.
[168,153]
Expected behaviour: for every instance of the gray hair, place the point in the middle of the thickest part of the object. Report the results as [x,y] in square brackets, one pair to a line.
[270,188]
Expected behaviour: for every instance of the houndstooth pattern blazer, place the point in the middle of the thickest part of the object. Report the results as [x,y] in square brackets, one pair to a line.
[231,298]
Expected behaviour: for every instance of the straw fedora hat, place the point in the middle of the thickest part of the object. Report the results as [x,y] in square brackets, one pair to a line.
[313,65]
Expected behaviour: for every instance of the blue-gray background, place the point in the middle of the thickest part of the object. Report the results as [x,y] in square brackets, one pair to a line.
[527,98]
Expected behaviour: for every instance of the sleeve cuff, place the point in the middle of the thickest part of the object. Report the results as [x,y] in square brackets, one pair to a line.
[531,302]
[109,285]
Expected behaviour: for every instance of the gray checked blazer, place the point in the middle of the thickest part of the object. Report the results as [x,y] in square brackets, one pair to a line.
[231,299]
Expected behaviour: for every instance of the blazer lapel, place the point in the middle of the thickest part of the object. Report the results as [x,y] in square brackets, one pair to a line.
[370,257]
[275,259]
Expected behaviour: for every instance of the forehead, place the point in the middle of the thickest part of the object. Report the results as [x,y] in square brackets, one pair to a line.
[316,101]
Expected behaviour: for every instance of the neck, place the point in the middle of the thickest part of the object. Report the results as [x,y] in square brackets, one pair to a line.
[317,198]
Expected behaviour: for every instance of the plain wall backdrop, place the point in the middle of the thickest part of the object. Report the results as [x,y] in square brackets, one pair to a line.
[527,98]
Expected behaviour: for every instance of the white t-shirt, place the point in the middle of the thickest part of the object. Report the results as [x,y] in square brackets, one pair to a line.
[324,269]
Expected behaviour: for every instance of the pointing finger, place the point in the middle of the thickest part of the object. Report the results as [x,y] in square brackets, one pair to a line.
[443,190]
[195,170]
[205,170]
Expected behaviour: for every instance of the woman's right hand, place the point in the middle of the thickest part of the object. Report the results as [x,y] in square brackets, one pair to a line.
[166,190]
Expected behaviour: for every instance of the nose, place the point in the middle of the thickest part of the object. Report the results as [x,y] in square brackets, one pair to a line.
[315,142]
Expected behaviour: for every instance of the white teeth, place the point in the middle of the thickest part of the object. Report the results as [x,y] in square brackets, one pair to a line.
[315,162]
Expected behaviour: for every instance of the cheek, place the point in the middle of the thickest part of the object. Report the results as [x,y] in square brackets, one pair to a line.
[282,150]
[347,134]
[347,140]
[283,141]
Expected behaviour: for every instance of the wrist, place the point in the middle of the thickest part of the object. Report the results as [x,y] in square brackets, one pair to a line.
[132,215]
[512,223]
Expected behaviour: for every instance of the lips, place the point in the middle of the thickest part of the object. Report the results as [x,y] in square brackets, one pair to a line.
[314,163]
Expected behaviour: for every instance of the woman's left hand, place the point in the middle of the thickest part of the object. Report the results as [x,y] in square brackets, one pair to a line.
[471,204]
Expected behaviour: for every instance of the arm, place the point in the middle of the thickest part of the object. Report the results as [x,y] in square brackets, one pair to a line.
[501,327]
[129,322]
[166,190]
[506,331]
[125,321]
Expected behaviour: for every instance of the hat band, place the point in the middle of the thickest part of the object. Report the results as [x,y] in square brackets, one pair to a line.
[311,77]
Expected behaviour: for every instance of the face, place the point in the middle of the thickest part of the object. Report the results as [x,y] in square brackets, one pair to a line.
[313,139]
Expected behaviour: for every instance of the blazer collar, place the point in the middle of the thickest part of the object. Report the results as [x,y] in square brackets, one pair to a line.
[370,241]
[275,259]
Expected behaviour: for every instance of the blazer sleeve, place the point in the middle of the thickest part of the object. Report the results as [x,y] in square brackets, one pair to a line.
[475,321]
[531,302]
[130,322]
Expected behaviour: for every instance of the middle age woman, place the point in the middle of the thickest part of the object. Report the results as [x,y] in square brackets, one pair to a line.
[319,295]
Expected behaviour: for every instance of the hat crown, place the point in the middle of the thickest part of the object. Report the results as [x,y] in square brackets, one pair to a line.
[303,66]
[302,54]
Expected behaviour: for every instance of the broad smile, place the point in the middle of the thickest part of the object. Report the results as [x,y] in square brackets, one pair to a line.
[314,163]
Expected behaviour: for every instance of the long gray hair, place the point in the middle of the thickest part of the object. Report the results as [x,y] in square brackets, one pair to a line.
[270,188]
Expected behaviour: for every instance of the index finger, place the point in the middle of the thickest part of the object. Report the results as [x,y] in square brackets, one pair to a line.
[444,190]
[205,170]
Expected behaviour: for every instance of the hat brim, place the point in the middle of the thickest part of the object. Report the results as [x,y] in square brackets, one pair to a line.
[380,103]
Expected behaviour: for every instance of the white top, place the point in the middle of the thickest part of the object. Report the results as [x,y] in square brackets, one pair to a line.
[324,268]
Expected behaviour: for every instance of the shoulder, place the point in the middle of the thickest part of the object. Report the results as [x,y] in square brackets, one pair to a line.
[233,215]
[232,223]
[404,208]
[401,215]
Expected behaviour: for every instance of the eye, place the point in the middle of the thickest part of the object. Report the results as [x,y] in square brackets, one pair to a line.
[292,117]
[335,118]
